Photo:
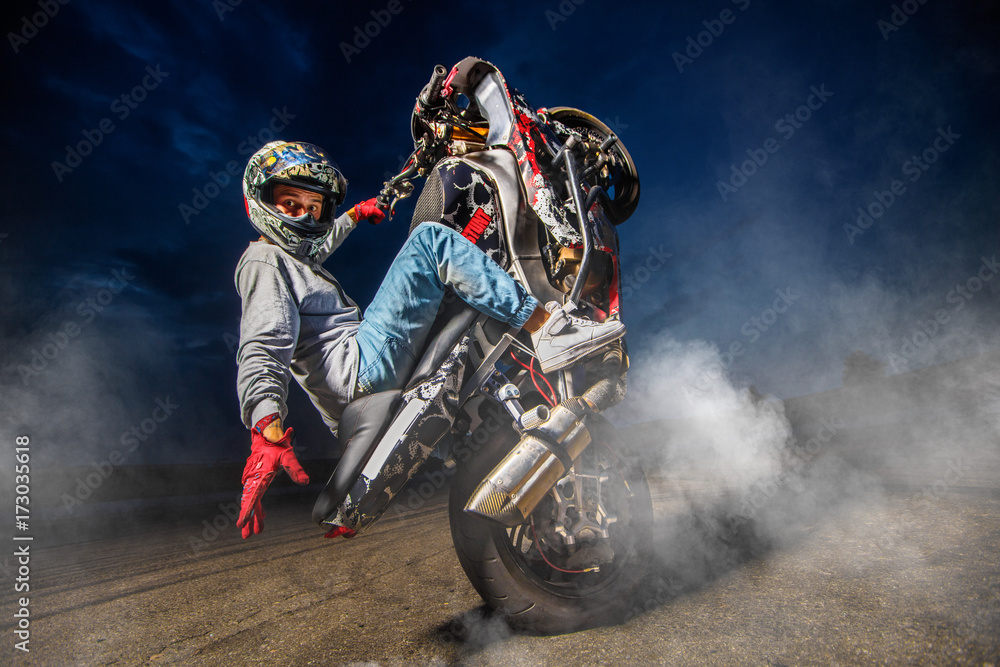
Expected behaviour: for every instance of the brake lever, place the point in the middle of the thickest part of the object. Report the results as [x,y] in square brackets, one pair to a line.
[398,187]
[402,191]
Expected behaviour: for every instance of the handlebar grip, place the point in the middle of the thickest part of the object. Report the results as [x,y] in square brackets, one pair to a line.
[431,94]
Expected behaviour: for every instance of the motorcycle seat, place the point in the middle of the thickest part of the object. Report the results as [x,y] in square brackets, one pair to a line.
[366,419]
[455,319]
[361,425]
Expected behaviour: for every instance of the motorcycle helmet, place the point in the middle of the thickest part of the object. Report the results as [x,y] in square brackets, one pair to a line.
[299,165]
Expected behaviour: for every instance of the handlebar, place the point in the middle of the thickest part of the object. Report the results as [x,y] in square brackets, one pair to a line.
[400,185]
[430,96]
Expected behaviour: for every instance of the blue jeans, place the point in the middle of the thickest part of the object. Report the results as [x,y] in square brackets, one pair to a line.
[396,323]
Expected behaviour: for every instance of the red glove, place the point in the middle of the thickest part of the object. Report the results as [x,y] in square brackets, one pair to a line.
[262,465]
[370,211]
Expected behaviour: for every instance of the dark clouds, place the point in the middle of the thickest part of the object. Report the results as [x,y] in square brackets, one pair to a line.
[228,77]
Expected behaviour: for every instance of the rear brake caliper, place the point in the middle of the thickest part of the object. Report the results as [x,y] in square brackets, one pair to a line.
[581,517]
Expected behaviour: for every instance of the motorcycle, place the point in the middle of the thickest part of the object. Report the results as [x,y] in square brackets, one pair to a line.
[550,517]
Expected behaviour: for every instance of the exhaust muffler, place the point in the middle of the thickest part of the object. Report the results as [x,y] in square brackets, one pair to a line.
[510,493]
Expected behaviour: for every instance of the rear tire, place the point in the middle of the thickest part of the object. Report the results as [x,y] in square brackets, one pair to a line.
[626,182]
[516,571]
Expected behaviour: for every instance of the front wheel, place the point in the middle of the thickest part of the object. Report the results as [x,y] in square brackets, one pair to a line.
[580,557]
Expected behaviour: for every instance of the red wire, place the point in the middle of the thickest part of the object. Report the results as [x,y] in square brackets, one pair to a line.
[552,391]
[539,545]
[531,369]
[552,402]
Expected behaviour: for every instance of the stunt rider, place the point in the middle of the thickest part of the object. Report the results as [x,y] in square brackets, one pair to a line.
[298,322]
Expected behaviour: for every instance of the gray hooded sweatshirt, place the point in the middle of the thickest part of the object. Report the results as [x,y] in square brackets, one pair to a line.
[297,321]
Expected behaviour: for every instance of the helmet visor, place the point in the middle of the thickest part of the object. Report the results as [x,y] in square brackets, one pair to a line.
[307,224]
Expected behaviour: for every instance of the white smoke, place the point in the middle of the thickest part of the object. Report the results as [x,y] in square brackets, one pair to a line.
[735,473]
[714,425]
[729,474]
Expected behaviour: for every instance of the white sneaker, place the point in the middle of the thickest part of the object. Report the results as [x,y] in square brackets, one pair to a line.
[565,338]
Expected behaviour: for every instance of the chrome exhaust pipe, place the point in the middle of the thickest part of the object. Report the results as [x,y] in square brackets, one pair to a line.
[510,493]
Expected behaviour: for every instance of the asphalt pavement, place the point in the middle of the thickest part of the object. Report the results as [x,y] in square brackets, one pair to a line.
[882,573]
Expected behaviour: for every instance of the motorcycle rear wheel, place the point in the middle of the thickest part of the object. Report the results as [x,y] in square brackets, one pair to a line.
[626,185]
[527,574]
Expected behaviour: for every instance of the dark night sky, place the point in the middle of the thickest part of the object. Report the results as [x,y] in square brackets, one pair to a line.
[107,346]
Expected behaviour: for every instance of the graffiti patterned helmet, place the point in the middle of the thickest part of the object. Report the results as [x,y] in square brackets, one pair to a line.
[299,165]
